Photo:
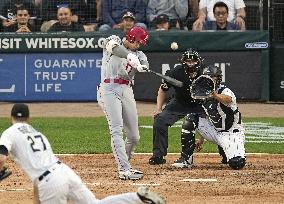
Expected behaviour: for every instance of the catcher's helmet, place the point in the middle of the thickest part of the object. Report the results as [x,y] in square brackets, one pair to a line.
[138,34]
[213,71]
[191,60]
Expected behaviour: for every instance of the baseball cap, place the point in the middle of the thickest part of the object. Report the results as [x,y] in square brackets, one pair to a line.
[128,14]
[20,110]
[162,18]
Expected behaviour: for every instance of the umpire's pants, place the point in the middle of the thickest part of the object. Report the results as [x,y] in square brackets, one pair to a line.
[172,112]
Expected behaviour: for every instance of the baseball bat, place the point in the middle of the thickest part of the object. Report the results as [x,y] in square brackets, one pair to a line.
[171,80]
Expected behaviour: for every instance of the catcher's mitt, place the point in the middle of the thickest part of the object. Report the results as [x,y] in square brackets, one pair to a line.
[4,174]
[202,87]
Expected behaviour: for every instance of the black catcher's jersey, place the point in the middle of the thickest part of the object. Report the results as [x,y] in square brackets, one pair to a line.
[223,117]
[182,94]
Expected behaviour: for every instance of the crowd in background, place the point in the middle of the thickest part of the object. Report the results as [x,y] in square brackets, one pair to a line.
[105,15]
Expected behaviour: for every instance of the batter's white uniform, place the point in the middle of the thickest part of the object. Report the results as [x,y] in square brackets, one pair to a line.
[233,5]
[32,151]
[116,98]
[223,125]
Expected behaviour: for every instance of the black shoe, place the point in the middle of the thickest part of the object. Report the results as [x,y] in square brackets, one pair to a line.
[183,163]
[224,161]
[156,160]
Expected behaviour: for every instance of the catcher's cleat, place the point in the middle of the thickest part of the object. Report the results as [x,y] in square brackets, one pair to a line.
[4,173]
[156,160]
[130,174]
[149,197]
[224,161]
[183,163]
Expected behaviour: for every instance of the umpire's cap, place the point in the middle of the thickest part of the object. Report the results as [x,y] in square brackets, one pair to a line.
[20,110]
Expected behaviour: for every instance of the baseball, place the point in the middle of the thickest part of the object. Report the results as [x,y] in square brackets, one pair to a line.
[174,46]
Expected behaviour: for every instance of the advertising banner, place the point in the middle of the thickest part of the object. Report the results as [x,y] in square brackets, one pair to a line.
[277,73]
[74,77]
[49,77]
[241,72]
[65,42]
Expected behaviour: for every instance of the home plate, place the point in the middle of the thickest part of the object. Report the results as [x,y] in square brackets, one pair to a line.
[199,180]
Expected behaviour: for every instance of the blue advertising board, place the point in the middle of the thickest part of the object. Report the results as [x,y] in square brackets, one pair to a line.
[49,77]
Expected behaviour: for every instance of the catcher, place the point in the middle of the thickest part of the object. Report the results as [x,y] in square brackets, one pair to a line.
[54,182]
[223,124]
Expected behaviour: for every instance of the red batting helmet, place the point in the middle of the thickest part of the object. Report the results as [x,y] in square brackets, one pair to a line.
[138,34]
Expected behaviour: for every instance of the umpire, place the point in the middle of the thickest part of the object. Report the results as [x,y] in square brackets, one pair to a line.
[178,107]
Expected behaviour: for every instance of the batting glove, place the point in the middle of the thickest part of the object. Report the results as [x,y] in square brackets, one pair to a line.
[142,68]
[133,60]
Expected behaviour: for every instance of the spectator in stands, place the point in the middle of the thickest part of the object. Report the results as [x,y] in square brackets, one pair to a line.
[128,21]
[93,11]
[22,22]
[93,15]
[77,7]
[65,23]
[176,10]
[237,12]
[221,12]
[192,14]
[112,11]
[9,11]
[162,22]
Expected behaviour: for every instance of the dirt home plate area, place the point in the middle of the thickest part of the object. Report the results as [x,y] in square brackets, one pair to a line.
[261,181]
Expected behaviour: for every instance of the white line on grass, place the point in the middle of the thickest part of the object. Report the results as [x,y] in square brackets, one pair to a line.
[251,154]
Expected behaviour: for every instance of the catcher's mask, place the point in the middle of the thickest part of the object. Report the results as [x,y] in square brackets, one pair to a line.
[191,60]
[138,34]
[214,72]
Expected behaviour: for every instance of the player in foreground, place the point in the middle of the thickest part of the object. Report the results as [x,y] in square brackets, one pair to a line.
[121,60]
[54,181]
[223,124]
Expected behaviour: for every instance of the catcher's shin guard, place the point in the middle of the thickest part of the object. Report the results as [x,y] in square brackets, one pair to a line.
[188,135]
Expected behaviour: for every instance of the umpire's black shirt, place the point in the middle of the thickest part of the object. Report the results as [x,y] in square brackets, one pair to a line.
[182,94]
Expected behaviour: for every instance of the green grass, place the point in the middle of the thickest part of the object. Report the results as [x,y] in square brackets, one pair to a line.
[91,135]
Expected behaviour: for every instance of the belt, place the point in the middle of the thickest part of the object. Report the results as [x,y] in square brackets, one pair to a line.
[117,81]
[46,172]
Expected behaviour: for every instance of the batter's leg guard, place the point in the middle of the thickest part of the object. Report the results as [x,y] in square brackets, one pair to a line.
[237,162]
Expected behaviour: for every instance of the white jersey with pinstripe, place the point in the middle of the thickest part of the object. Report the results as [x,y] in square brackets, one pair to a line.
[223,125]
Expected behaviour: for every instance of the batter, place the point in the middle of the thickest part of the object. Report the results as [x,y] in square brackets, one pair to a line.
[121,60]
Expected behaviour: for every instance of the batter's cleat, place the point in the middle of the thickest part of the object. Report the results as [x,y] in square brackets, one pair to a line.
[156,160]
[130,174]
[183,163]
[149,197]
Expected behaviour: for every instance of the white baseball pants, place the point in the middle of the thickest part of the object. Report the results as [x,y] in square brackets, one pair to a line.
[231,142]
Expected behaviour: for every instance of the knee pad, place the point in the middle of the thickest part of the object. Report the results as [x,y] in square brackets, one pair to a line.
[190,123]
[237,162]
